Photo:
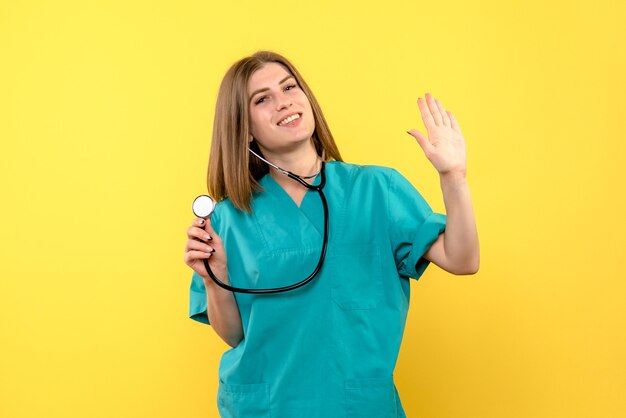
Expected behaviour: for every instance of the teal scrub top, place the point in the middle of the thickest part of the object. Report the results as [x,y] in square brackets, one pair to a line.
[327,349]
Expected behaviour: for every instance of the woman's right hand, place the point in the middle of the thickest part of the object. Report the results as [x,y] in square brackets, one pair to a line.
[204,243]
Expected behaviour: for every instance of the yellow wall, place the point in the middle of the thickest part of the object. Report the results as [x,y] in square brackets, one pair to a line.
[105,120]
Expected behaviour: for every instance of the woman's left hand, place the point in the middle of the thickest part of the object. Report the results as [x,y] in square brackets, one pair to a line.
[445,146]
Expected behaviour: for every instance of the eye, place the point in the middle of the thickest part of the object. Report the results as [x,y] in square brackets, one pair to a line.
[290,87]
[260,100]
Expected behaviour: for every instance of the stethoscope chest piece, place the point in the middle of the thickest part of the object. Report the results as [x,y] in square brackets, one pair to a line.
[203,206]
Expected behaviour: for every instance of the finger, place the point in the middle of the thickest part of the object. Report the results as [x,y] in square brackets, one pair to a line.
[205,224]
[444,114]
[192,256]
[434,110]
[426,116]
[198,233]
[421,140]
[455,124]
[193,245]
[208,228]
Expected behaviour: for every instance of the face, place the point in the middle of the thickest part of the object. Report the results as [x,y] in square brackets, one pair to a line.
[280,113]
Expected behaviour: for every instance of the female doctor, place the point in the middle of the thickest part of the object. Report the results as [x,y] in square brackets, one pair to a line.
[326,349]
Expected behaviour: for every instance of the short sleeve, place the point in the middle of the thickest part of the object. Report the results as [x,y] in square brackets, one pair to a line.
[413,226]
[197,300]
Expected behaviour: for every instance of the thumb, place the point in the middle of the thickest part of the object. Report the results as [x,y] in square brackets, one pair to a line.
[421,139]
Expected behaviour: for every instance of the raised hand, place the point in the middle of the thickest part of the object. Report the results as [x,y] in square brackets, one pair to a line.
[445,146]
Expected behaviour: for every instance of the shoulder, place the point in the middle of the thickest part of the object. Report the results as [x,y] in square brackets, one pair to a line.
[224,214]
[365,174]
[382,183]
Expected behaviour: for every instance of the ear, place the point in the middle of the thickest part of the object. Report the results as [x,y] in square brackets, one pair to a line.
[250,138]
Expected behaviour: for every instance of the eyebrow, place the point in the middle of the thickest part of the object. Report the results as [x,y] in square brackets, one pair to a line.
[267,88]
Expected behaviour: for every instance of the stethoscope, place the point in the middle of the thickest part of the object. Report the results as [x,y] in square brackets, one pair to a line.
[203,206]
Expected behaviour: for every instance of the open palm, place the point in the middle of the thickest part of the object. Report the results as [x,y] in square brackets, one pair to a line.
[444,147]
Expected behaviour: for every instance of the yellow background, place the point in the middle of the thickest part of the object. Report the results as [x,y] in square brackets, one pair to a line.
[106,111]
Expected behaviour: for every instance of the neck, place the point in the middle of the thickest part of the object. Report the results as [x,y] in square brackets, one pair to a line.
[302,161]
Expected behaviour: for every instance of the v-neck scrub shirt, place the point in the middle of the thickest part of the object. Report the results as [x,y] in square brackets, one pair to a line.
[327,349]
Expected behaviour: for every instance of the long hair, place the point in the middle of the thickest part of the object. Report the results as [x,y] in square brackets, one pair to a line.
[231,172]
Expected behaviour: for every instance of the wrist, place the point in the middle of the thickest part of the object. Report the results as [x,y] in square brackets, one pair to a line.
[209,283]
[452,178]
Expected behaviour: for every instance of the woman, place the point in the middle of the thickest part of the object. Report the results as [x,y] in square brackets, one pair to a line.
[328,348]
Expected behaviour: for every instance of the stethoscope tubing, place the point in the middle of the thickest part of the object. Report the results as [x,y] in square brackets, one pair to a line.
[320,262]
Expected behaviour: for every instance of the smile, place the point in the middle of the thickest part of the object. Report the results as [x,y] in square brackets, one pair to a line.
[288,119]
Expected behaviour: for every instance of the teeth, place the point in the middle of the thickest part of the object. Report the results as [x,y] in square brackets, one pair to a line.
[289,119]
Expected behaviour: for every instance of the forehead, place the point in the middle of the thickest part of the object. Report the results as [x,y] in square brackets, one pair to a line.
[267,76]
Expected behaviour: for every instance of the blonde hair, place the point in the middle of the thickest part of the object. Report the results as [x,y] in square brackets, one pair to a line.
[231,172]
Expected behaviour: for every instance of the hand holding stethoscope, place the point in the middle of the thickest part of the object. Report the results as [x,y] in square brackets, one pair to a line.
[445,146]
[205,244]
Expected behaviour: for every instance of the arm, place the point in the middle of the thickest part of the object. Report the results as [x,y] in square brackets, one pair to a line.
[223,312]
[222,309]
[456,250]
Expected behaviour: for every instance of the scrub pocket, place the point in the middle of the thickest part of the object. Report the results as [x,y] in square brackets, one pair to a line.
[371,397]
[252,400]
[356,276]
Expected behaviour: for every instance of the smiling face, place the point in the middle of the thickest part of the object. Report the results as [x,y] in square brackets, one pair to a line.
[280,113]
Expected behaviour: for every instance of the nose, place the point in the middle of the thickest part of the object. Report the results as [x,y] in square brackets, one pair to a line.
[283,101]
